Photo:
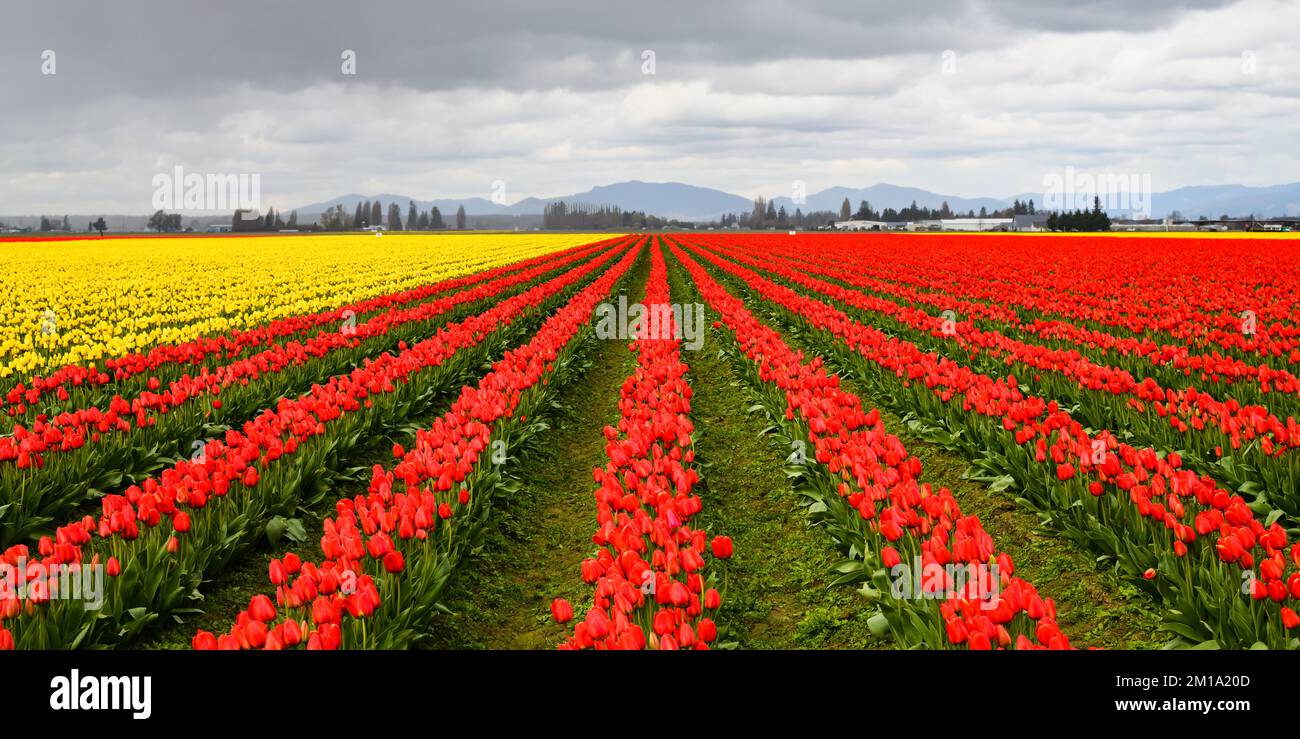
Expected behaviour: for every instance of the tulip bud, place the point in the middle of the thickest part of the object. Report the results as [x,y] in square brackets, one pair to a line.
[722,547]
[561,611]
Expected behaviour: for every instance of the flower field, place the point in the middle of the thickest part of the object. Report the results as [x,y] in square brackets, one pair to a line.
[665,441]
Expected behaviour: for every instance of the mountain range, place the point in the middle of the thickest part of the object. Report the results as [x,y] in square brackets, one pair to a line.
[692,203]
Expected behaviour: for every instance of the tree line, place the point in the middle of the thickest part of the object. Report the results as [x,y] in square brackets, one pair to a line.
[574,216]
[1080,219]
[373,215]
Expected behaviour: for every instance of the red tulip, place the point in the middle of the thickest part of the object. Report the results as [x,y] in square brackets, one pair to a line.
[255,632]
[112,567]
[561,611]
[204,640]
[260,608]
[393,562]
[712,599]
[889,557]
[1289,618]
[722,547]
[707,630]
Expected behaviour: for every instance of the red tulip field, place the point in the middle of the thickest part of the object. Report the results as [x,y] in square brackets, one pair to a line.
[699,440]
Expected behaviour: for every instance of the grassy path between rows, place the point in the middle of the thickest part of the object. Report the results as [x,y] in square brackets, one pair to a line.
[230,591]
[534,552]
[1095,606]
[777,581]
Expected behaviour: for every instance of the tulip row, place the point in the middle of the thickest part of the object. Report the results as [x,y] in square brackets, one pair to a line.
[85,300]
[1172,419]
[78,383]
[1196,304]
[388,554]
[1250,382]
[1224,574]
[896,528]
[165,536]
[56,464]
[653,587]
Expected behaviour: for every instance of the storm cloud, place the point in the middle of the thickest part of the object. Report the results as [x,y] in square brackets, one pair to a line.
[962,97]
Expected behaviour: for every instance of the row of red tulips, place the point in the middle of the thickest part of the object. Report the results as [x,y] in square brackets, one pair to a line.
[1223,573]
[163,363]
[653,586]
[1174,290]
[76,427]
[59,461]
[1107,397]
[889,521]
[165,536]
[386,556]
[1250,381]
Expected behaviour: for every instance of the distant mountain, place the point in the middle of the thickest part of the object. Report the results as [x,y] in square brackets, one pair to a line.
[691,203]
[1211,201]
[665,199]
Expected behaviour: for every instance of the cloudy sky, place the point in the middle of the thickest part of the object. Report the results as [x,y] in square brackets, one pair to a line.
[970,98]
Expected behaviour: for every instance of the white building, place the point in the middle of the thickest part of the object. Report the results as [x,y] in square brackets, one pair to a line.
[975,224]
[861,226]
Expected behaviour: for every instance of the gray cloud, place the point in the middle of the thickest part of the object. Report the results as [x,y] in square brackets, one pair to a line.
[550,97]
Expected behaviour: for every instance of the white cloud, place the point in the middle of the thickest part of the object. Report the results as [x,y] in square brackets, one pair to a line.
[554,112]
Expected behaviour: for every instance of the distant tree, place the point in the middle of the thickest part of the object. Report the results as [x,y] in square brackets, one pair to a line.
[100,226]
[360,216]
[162,222]
[770,215]
[394,217]
[293,219]
[460,218]
[412,216]
[45,223]
[984,213]
[759,213]
[376,214]
[67,226]
[781,216]
[435,218]
[846,210]
[422,222]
